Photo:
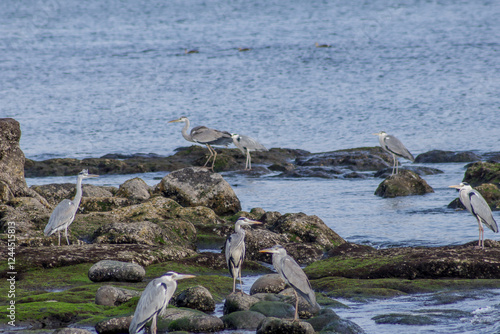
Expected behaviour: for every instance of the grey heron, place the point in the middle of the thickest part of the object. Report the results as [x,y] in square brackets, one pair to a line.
[205,136]
[246,145]
[154,300]
[235,249]
[394,146]
[64,213]
[476,204]
[292,274]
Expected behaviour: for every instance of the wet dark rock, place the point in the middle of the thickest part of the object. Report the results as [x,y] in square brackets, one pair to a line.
[144,232]
[114,325]
[196,297]
[112,296]
[54,193]
[465,261]
[176,319]
[102,204]
[270,283]
[196,186]
[237,301]
[320,172]
[327,321]
[438,156]
[69,330]
[274,309]
[135,190]
[273,325]
[285,167]
[269,218]
[482,172]
[57,256]
[257,239]
[404,319]
[405,183]
[243,320]
[306,310]
[109,270]
[420,170]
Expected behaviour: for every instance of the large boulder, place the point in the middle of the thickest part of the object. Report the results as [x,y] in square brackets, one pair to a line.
[194,186]
[236,301]
[306,310]
[275,309]
[179,319]
[482,172]
[196,297]
[109,270]
[270,283]
[145,232]
[405,183]
[274,325]
[114,325]
[12,182]
[112,296]
[243,320]
[135,190]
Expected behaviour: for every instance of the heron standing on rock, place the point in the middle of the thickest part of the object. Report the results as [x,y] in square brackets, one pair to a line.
[394,146]
[64,213]
[154,300]
[205,136]
[235,249]
[476,204]
[293,275]
[246,145]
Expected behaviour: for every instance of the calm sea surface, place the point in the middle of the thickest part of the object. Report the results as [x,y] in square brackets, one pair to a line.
[87,78]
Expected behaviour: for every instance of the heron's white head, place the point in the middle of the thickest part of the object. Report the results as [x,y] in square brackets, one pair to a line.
[276,249]
[245,221]
[463,185]
[381,133]
[235,136]
[173,276]
[181,119]
[84,174]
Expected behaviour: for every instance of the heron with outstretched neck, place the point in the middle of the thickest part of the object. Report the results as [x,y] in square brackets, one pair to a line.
[293,275]
[235,249]
[205,136]
[154,300]
[246,145]
[395,147]
[475,203]
[64,213]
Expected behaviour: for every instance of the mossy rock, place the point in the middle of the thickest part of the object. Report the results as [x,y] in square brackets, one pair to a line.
[482,172]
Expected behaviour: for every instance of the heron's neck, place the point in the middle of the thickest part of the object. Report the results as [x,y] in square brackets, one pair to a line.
[78,196]
[238,229]
[185,134]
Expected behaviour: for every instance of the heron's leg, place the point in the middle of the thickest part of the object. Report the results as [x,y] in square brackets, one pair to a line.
[241,282]
[59,235]
[249,160]
[296,316]
[153,325]
[66,234]
[215,157]
[210,150]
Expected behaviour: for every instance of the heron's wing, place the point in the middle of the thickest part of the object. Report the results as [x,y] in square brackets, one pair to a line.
[250,144]
[395,146]
[64,213]
[481,209]
[152,300]
[296,277]
[204,135]
[235,252]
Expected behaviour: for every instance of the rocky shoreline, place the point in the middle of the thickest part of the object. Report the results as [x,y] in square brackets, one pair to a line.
[160,229]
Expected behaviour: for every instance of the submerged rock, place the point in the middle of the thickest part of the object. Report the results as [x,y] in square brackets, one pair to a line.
[438,156]
[405,183]
[194,186]
[108,270]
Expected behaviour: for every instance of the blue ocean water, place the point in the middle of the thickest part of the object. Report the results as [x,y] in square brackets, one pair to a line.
[87,78]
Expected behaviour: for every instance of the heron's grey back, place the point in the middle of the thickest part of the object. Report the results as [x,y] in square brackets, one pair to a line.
[204,135]
[297,279]
[394,145]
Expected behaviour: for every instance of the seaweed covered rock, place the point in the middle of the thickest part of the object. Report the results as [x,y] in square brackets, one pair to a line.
[194,186]
[196,297]
[243,320]
[112,296]
[178,319]
[109,270]
[236,301]
[135,190]
[482,172]
[144,232]
[405,183]
[438,156]
[274,325]
[270,283]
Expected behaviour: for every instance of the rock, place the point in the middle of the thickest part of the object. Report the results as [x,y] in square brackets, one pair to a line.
[135,190]
[420,170]
[236,301]
[175,319]
[54,193]
[405,183]
[270,283]
[302,228]
[279,326]
[69,330]
[482,172]
[269,218]
[306,310]
[404,319]
[109,270]
[12,182]
[274,309]
[102,204]
[114,325]
[196,297]
[437,156]
[130,233]
[112,296]
[196,186]
[321,172]
[243,320]
[327,321]
[257,239]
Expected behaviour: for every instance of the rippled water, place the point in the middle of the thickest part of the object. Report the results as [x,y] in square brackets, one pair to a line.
[95,77]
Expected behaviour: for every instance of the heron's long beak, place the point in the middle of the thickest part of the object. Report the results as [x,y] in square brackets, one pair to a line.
[375,134]
[254,222]
[184,276]
[175,121]
[92,175]
[267,250]
[455,186]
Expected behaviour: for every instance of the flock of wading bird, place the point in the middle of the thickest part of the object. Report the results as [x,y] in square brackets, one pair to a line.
[159,291]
